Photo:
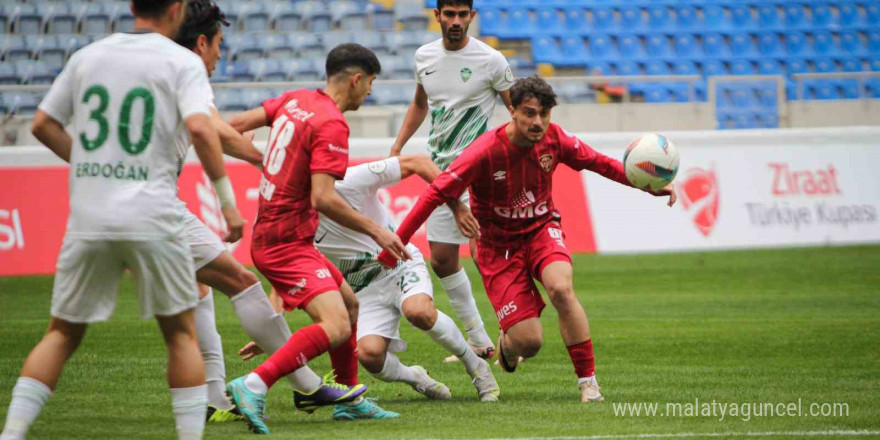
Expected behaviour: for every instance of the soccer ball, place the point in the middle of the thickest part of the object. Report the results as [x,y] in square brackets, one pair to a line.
[651,162]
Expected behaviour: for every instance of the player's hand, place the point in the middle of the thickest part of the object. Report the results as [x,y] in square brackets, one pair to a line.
[466,221]
[234,223]
[395,151]
[668,191]
[392,244]
[249,351]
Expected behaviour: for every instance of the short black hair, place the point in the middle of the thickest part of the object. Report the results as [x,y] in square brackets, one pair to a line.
[152,8]
[442,3]
[203,17]
[350,55]
[532,87]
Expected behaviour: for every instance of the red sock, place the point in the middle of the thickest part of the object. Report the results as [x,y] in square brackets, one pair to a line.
[306,344]
[344,360]
[582,358]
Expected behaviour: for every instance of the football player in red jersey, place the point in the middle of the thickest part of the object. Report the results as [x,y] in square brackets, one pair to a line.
[306,153]
[509,171]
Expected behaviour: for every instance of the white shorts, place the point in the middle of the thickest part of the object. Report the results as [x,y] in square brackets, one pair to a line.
[380,302]
[204,243]
[88,273]
[442,227]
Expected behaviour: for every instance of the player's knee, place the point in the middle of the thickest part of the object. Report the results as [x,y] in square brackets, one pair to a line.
[423,317]
[528,345]
[338,328]
[372,358]
[444,265]
[245,278]
[561,295]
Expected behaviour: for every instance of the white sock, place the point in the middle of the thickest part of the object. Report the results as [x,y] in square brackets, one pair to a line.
[255,384]
[446,334]
[458,288]
[211,347]
[583,380]
[270,331]
[190,409]
[28,398]
[394,371]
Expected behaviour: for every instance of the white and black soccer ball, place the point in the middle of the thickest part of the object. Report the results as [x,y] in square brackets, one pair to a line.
[651,162]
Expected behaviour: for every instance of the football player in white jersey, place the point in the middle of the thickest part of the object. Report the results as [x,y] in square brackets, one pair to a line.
[126,98]
[385,295]
[459,79]
[202,33]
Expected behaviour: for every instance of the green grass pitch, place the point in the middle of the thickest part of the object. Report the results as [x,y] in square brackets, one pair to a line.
[769,326]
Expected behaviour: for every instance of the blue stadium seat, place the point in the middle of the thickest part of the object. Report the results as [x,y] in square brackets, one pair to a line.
[630,46]
[741,17]
[548,19]
[768,15]
[849,14]
[768,44]
[410,14]
[874,41]
[599,68]
[95,20]
[8,76]
[305,69]
[685,67]
[285,18]
[263,67]
[631,18]
[822,17]
[335,38]
[58,18]
[824,65]
[349,15]
[254,97]
[518,21]
[713,67]
[573,92]
[73,43]
[15,49]
[628,68]
[24,103]
[769,66]
[375,41]
[823,43]
[573,51]
[795,43]
[742,95]
[658,46]
[656,93]
[850,64]
[603,18]
[545,50]
[229,100]
[848,88]
[240,71]
[659,17]
[767,94]
[124,20]
[767,120]
[679,91]
[872,87]
[872,13]
[714,46]
[278,46]
[686,17]
[819,89]
[52,52]
[851,43]
[742,45]
[35,72]
[713,17]
[686,46]
[27,19]
[4,19]
[600,46]
[391,95]
[490,21]
[398,68]
[255,16]
[575,18]
[316,16]
[875,65]
[796,65]
[742,67]
[657,67]
[247,46]
[794,15]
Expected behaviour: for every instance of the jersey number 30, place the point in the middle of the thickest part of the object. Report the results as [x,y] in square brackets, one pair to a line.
[122,129]
[279,138]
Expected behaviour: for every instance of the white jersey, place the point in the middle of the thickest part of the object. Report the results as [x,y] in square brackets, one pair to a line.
[353,253]
[126,98]
[462,87]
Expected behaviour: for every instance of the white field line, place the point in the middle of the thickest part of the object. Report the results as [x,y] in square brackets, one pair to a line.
[827,433]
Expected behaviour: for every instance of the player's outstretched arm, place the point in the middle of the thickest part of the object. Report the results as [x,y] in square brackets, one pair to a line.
[249,120]
[207,145]
[52,134]
[428,171]
[235,144]
[327,201]
[415,115]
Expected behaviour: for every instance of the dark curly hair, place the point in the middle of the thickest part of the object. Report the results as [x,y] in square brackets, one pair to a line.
[533,87]
[203,17]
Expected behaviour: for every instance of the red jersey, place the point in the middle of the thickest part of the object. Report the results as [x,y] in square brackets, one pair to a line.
[510,187]
[309,135]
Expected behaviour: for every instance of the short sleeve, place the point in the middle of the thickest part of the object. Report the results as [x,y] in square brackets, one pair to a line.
[330,149]
[502,75]
[193,89]
[271,106]
[58,103]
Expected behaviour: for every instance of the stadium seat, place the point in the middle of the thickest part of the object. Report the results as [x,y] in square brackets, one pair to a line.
[849,14]
[795,43]
[631,18]
[819,90]
[851,43]
[850,64]
[349,15]
[229,100]
[796,65]
[872,87]
[52,52]
[8,76]
[767,94]
[630,46]
[794,15]
[15,49]
[247,46]
[4,18]
[58,18]
[307,45]
[73,43]
[285,18]
[656,93]
[767,120]
[4,108]
[95,20]
[240,71]
[742,67]
[713,17]
[375,41]
[545,50]
[410,14]
[600,46]
[822,17]
[768,15]
[335,38]
[26,19]
[742,45]
[314,13]
[603,18]
[398,68]
[848,88]
[595,68]
[628,68]
[659,17]
[769,66]
[824,65]
[490,21]
[741,17]
[741,95]
[686,46]
[872,13]
[548,19]
[278,46]
[261,66]
[657,67]
[874,42]
[658,46]
[574,92]
[255,16]
[714,46]
[686,17]
[768,44]
[24,103]
[253,97]
[391,95]
[685,67]
[304,69]
[875,64]
[123,21]
[573,51]
[35,72]
[713,67]
[518,21]
[823,43]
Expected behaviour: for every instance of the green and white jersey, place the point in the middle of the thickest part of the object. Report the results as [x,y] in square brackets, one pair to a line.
[462,87]
[126,98]
[353,253]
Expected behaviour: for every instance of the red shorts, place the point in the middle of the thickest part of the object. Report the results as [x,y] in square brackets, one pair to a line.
[298,272]
[508,273]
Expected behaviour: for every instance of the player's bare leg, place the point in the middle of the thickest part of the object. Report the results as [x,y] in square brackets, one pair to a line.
[454,279]
[573,325]
[266,327]
[39,376]
[521,341]
[421,312]
[186,374]
[373,354]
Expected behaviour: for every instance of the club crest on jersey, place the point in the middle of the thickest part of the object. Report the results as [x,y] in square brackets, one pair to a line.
[466,74]
[546,162]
